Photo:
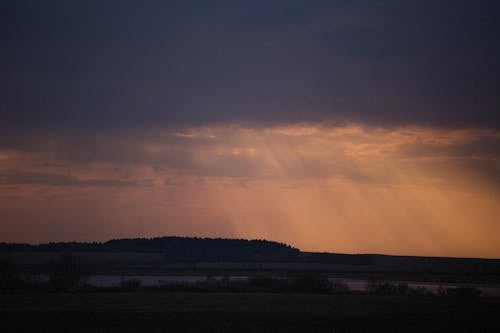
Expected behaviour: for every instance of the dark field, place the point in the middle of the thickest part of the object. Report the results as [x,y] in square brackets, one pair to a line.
[220,312]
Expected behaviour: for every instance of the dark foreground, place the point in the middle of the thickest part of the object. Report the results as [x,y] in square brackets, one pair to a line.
[219,312]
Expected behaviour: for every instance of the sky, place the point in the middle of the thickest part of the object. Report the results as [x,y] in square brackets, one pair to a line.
[340,126]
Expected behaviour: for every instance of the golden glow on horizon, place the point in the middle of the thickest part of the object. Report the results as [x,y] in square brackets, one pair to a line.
[352,188]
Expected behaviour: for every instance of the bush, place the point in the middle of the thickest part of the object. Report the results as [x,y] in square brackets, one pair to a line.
[465,292]
[340,287]
[67,273]
[269,284]
[9,279]
[312,284]
[130,284]
[378,287]
[419,291]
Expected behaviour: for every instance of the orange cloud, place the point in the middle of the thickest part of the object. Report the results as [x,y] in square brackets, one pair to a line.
[350,188]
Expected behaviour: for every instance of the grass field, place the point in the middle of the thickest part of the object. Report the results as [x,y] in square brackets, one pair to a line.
[217,312]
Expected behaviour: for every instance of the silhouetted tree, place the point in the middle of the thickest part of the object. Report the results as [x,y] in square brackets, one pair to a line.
[310,283]
[130,284]
[463,292]
[67,273]
[9,279]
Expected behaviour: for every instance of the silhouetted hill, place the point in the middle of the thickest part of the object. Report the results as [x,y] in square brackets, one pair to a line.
[175,248]
[187,253]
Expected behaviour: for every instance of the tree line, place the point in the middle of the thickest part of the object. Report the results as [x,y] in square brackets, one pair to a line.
[174,248]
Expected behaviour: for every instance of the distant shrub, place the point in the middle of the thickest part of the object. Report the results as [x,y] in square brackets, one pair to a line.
[9,279]
[312,284]
[130,284]
[378,287]
[261,281]
[67,273]
[442,291]
[419,291]
[340,287]
[268,284]
[403,289]
[466,292]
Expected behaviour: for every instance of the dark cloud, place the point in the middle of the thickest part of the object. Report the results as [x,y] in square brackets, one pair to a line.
[58,180]
[484,147]
[112,64]
[366,155]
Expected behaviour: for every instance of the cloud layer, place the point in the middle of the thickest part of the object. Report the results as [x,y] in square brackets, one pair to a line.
[349,188]
[135,64]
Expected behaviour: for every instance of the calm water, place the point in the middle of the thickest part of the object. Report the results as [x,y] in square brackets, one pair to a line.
[353,284]
[152,280]
[362,285]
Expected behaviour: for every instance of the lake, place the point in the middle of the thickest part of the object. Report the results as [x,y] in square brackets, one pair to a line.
[353,284]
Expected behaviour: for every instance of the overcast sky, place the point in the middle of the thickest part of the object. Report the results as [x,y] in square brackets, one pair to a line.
[129,63]
[348,126]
